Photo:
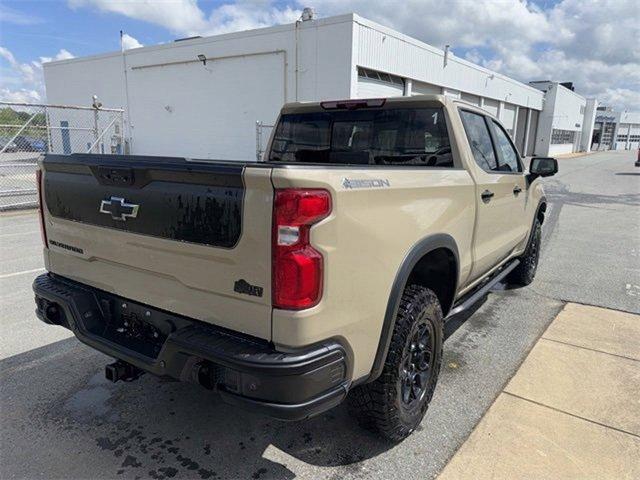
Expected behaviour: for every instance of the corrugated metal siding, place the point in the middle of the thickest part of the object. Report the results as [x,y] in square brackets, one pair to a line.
[383,49]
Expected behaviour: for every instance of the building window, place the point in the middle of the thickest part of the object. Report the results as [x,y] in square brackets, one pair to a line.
[582,110]
[559,137]
[383,77]
[621,138]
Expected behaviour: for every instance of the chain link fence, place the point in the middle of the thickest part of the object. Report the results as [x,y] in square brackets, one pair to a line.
[263,132]
[30,130]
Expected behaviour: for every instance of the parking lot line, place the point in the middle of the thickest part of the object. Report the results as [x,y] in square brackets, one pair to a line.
[30,232]
[24,272]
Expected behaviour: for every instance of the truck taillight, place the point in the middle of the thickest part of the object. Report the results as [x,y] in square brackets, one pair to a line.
[297,266]
[43,232]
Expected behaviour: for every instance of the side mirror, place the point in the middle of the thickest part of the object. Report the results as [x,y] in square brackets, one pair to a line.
[543,166]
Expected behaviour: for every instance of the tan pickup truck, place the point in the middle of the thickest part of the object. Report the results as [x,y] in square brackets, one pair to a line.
[324,272]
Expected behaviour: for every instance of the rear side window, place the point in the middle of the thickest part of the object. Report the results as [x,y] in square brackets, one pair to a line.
[507,154]
[479,138]
[394,136]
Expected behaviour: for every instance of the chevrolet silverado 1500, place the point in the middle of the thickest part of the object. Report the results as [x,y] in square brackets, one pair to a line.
[325,272]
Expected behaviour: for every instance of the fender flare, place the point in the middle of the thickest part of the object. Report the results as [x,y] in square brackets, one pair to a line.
[419,250]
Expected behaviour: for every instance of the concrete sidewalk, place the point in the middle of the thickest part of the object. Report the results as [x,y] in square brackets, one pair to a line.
[572,411]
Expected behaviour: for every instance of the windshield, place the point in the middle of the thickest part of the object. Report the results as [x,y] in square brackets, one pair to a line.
[400,136]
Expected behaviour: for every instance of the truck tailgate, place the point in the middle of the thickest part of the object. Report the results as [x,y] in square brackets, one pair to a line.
[190,237]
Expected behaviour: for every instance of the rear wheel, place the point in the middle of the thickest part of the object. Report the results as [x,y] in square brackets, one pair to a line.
[525,272]
[395,403]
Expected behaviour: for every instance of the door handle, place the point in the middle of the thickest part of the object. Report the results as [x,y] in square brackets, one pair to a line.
[486,196]
[516,190]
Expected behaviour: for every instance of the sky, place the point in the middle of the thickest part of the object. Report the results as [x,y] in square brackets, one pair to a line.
[595,44]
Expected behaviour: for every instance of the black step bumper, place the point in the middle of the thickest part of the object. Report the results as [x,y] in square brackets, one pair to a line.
[245,370]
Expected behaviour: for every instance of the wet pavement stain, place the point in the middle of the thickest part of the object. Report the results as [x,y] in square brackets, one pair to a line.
[131,461]
[258,473]
[187,462]
[163,472]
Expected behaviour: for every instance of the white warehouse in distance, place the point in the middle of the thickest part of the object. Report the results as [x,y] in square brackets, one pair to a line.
[202,97]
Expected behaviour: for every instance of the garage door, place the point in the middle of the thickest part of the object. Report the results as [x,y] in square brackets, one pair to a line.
[372,84]
[508,116]
[421,88]
[472,99]
[491,106]
[205,111]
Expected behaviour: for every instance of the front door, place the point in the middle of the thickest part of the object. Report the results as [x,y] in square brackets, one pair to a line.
[500,195]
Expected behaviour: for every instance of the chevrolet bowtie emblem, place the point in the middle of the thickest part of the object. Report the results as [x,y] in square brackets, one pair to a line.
[119,209]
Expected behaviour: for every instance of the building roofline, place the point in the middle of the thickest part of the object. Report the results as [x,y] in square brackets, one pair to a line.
[559,84]
[425,46]
[204,40]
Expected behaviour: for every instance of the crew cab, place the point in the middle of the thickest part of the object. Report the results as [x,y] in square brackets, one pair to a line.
[322,273]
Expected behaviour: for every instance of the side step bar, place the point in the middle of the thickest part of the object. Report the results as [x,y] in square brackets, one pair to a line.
[472,298]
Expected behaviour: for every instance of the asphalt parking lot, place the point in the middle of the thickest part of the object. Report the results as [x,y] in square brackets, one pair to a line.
[61,418]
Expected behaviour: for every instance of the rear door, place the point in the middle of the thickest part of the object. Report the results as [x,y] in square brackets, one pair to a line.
[185,236]
[509,165]
[494,236]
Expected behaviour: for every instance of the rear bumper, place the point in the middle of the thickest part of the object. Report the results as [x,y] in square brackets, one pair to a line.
[246,371]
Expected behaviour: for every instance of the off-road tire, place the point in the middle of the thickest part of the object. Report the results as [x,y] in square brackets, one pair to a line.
[525,272]
[379,405]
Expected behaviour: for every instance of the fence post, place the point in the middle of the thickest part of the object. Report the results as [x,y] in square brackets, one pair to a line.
[95,129]
[47,124]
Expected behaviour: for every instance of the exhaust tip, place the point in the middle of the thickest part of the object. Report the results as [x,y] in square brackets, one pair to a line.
[52,313]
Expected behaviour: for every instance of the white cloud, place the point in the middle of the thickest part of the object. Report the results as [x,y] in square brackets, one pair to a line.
[20,96]
[184,17]
[128,42]
[457,22]
[23,82]
[178,16]
[590,42]
[247,15]
[61,55]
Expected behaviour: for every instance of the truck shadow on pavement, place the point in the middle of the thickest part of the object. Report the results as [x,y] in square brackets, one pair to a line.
[156,429]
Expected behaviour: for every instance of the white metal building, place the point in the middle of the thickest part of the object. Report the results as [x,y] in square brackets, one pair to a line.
[627,133]
[202,97]
[566,121]
[616,130]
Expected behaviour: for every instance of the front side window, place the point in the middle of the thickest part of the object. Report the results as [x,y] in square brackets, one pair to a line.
[479,140]
[507,155]
[392,136]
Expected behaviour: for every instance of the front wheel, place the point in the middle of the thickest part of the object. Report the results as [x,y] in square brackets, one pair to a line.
[395,403]
[525,272]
